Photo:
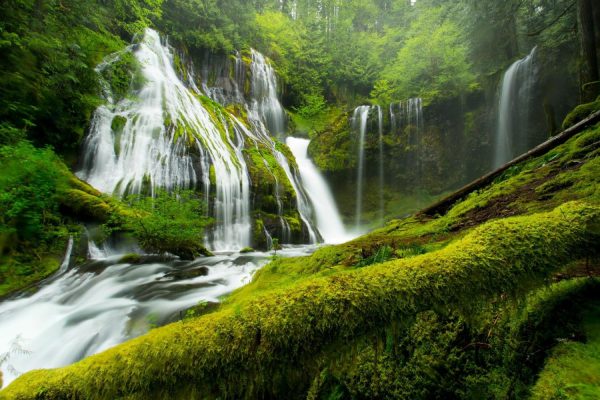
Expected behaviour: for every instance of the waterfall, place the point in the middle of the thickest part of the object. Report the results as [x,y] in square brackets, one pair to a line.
[407,113]
[64,265]
[264,94]
[406,118]
[513,110]
[141,144]
[381,162]
[163,137]
[359,124]
[329,222]
[266,118]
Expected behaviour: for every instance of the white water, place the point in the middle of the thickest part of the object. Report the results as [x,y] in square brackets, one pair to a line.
[92,307]
[513,110]
[266,115]
[381,162]
[329,222]
[267,118]
[147,154]
[359,122]
[264,94]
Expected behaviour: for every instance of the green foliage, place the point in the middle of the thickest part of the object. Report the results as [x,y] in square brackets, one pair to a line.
[580,113]
[313,105]
[172,223]
[433,63]
[30,180]
[208,24]
[383,254]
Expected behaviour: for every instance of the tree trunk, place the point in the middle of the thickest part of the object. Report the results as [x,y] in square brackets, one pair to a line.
[596,17]
[587,36]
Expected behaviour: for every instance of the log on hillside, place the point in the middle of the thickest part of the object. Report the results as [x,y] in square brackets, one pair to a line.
[442,206]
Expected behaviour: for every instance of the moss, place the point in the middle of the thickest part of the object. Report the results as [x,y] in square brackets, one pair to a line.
[122,75]
[334,149]
[572,372]
[132,258]
[247,250]
[85,206]
[580,113]
[231,352]
[23,273]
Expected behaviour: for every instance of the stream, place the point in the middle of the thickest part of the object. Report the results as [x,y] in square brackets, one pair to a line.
[92,307]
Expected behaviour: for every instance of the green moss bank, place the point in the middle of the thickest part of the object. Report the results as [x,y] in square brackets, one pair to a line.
[254,349]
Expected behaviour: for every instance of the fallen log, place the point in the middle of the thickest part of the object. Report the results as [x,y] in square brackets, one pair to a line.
[443,205]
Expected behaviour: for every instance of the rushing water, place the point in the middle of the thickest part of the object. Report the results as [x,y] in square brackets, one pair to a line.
[150,150]
[264,94]
[104,302]
[359,122]
[162,137]
[513,110]
[329,222]
[381,163]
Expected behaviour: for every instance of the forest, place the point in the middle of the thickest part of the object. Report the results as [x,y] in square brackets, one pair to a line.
[300,199]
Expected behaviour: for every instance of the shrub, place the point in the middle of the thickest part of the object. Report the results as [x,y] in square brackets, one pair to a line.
[171,223]
[30,179]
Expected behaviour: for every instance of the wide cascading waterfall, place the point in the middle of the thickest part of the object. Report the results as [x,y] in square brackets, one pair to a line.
[359,125]
[513,110]
[142,144]
[329,221]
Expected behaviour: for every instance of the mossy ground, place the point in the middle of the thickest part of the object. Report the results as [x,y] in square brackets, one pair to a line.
[573,369]
[343,322]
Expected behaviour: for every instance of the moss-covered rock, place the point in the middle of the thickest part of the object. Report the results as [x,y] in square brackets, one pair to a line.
[580,113]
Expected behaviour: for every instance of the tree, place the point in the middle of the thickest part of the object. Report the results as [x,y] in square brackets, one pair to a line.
[590,74]
[433,63]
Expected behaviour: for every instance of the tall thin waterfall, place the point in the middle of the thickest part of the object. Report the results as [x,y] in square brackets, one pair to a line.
[329,221]
[359,123]
[264,94]
[406,118]
[381,162]
[141,144]
[513,110]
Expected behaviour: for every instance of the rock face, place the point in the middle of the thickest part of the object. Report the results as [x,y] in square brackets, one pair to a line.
[444,145]
[211,129]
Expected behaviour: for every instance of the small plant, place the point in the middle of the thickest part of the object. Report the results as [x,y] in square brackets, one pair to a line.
[194,311]
[15,348]
[275,245]
[152,320]
[383,254]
